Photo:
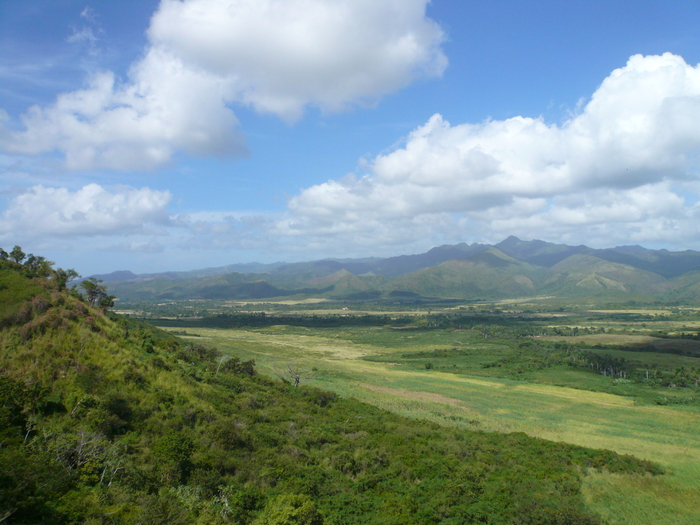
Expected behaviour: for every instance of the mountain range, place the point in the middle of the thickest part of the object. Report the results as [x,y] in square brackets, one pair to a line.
[511,268]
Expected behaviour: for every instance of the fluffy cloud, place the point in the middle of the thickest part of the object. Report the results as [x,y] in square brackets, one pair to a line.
[623,161]
[285,54]
[92,210]
[652,213]
[277,56]
[165,108]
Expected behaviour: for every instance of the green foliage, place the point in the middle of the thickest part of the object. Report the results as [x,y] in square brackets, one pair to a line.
[97,294]
[17,255]
[63,277]
[106,420]
[290,509]
[237,366]
[30,485]
[174,451]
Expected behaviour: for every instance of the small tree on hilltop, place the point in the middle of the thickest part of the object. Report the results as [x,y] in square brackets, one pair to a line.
[37,266]
[96,294]
[63,277]
[17,255]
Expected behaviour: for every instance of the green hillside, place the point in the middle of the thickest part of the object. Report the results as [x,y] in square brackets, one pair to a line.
[665,263]
[106,420]
[686,288]
[344,284]
[581,275]
[227,286]
[487,275]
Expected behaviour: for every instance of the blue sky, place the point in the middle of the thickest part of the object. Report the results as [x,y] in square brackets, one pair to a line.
[180,134]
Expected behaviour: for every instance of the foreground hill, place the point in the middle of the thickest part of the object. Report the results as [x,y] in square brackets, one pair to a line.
[105,420]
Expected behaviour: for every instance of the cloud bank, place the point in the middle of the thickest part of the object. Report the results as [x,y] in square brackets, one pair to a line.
[91,210]
[277,56]
[623,169]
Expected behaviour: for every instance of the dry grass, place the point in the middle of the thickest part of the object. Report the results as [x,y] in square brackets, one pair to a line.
[604,339]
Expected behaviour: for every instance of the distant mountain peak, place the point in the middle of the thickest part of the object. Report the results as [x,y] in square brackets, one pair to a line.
[510,240]
[120,275]
[513,266]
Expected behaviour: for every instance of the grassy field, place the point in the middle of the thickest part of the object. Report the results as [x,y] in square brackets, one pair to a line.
[453,377]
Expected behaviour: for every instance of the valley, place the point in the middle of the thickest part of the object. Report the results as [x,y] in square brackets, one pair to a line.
[512,367]
[408,409]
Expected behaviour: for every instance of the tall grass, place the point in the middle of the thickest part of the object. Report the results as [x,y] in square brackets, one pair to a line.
[669,436]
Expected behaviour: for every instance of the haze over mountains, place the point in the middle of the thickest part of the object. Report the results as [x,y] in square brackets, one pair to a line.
[511,268]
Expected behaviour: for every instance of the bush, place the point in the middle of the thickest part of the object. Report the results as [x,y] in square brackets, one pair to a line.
[290,509]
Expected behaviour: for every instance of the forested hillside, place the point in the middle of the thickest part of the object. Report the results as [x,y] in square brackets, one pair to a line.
[104,420]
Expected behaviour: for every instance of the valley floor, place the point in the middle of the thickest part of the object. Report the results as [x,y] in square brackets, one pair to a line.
[342,362]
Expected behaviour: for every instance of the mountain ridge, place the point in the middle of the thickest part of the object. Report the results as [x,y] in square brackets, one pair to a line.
[511,268]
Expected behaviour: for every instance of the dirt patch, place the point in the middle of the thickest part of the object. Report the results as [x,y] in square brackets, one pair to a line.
[603,339]
[420,396]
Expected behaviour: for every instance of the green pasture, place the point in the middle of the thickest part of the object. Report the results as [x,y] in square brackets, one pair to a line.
[387,368]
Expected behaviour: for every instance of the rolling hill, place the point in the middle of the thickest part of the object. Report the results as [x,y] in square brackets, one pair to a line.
[488,274]
[511,268]
[583,274]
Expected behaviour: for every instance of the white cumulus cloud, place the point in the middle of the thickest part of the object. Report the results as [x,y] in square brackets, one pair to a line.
[91,210]
[282,55]
[626,160]
[138,125]
[278,56]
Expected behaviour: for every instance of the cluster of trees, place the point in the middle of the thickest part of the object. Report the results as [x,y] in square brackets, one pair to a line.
[37,267]
[608,365]
[31,265]
[686,376]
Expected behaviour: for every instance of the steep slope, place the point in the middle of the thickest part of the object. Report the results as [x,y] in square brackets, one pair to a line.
[403,264]
[665,263]
[685,289]
[539,253]
[489,274]
[344,284]
[581,275]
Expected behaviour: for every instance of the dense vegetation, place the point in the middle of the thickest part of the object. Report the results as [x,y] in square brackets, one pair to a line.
[105,420]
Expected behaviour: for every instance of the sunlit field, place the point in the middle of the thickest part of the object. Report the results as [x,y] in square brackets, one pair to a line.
[465,378]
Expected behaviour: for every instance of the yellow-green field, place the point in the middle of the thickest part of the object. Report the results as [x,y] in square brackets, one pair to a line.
[669,436]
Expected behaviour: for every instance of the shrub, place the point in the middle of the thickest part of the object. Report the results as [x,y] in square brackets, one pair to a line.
[290,509]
